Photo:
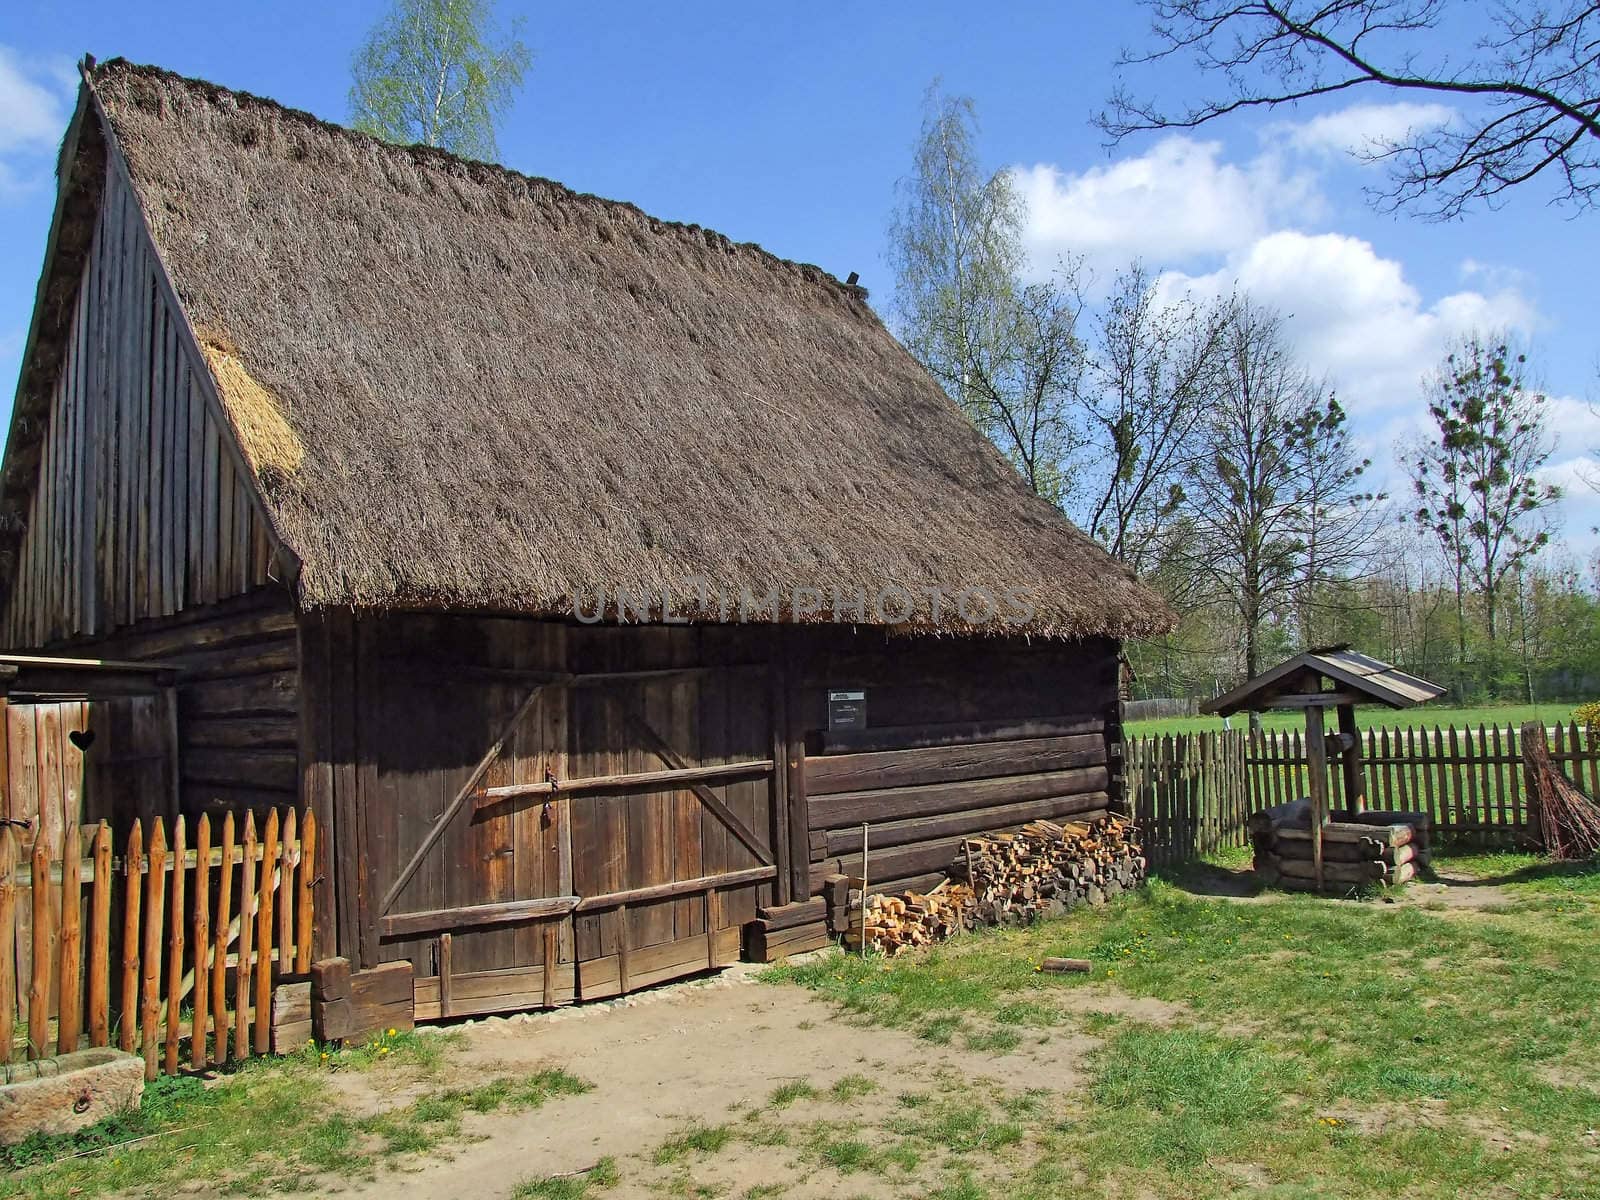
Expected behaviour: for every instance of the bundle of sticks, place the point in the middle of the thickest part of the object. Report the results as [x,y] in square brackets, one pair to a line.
[1046,868]
[1569,819]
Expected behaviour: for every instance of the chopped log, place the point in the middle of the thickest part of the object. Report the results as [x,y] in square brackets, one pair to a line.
[1065,966]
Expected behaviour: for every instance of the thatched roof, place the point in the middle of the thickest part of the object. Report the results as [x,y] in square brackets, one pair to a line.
[467,388]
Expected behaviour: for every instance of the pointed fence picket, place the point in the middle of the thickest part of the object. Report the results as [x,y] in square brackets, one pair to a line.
[1194,793]
[201,927]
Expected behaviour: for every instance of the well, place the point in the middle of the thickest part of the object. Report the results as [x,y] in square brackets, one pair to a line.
[1304,845]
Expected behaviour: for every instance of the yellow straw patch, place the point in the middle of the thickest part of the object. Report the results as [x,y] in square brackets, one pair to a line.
[268,442]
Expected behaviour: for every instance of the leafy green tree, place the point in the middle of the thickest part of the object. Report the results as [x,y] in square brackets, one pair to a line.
[1475,481]
[1007,351]
[438,73]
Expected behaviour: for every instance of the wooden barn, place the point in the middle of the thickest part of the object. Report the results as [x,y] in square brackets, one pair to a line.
[592,577]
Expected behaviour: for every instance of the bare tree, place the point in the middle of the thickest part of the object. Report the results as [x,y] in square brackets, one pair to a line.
[1251,489]
[1527,96]
[1007,351]
[1337,520]
[1475,483]
[1144,397]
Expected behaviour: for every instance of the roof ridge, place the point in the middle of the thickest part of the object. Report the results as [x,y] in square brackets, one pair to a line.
[435,158]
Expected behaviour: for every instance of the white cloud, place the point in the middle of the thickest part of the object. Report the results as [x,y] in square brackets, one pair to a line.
[35,111]
[1352,313]
[1174,204]
[1361,128]
[33,99]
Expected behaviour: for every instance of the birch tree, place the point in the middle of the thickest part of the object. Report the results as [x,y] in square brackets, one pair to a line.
[1005,349]
[438,73]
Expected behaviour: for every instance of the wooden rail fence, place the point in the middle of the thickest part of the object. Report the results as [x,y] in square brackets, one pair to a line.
[154,941]
[1194,793]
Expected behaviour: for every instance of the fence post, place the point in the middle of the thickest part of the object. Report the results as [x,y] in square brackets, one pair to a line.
[247,912]
[201,998]
[43,947]
[133,891]
[219,956]
[269,855]
[69,988]
[307,875]
[8,934]
[175,941]
[100,941]
[155,892]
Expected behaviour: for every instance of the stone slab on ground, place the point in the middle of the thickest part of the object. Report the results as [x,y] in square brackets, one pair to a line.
[68,1092]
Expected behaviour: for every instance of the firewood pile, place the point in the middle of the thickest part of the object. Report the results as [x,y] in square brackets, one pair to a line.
[1357,848]
[1043,870]
[896,923]
[1047,869]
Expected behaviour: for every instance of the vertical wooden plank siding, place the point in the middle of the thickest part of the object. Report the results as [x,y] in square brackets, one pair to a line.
[113,513]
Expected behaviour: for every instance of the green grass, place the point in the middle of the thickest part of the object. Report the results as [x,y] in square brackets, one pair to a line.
[603,1174]
[786,1094]
[271,1126]
[700,1139]
[1373,717]
[1323,1049]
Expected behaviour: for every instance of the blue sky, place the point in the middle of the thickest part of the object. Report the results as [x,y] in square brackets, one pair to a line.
[790,124]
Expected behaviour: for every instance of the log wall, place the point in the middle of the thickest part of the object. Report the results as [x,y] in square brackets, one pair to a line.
[237,700]
[963,737]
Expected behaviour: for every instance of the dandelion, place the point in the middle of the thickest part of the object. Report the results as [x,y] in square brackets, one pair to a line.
[383,1049]
[391,1033]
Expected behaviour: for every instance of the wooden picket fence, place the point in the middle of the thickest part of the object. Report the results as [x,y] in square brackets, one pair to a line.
[1194,793]
[155,940]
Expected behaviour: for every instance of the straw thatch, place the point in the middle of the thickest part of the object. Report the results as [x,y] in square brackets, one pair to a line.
[482,390]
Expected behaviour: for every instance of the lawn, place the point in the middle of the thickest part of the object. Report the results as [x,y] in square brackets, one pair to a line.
[1275,1046]
[273,1126]
[1373,717]
[1301,1048]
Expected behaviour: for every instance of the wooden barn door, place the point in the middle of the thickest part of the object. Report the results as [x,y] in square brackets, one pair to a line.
[545,820]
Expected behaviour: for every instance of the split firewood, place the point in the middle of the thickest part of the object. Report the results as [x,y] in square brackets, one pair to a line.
[1042,870]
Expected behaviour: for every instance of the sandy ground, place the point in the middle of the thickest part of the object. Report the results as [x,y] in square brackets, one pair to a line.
[703,1052]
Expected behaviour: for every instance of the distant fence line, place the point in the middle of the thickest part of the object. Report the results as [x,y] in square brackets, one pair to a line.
[1160,708]
[1194,793]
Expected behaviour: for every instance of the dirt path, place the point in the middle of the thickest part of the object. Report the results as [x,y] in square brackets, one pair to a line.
[702,1054]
